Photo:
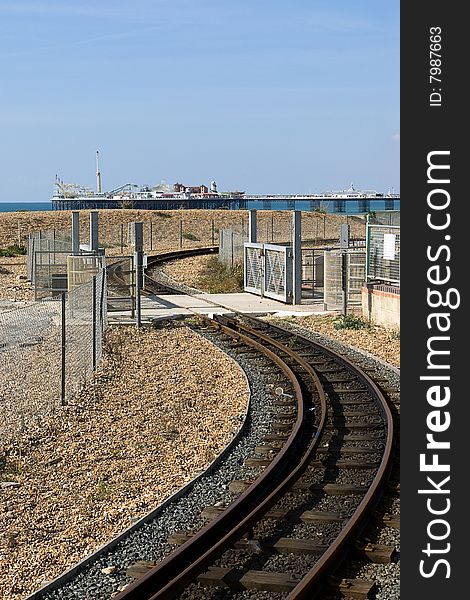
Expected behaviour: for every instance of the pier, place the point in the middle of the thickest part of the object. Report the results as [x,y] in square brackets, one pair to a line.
[312,202]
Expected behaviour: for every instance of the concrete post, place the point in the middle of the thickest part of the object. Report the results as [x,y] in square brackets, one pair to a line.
[94,231]
[297,256]
[75,232]
[252,226]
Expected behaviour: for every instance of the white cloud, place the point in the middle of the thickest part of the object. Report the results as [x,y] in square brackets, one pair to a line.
[396,137]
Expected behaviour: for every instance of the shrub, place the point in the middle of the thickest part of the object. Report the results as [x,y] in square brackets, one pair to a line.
[216,278]
[13,250]
[350,322]
[190,236]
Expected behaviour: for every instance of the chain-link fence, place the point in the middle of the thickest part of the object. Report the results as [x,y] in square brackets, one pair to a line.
[30,349]
[85,323]
[47,351]
[46,264]
[383,254]
[334,277]
[231,247]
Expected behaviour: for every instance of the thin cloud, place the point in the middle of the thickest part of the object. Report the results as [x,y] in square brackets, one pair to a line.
[396,137]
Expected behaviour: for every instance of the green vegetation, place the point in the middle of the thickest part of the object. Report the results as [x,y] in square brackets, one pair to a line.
[395,335]
[216,278]
[162,215]
[13,250]
[103,489]
[187,235]
[350,322]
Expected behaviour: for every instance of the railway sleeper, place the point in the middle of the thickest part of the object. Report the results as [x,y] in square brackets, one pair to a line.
[388,520]
[249,580]
[307,516]
[354,589]
[329,461]
[351,424]
[376,553]
[238,486]
[372,410]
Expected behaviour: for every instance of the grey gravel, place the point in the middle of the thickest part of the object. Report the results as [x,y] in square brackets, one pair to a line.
[149,541]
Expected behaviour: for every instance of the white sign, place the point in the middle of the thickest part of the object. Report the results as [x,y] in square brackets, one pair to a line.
[389,246]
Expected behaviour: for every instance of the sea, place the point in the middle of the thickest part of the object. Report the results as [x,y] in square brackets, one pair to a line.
[351,207]
[24,206]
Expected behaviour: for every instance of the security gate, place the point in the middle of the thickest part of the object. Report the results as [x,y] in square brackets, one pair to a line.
[268,271]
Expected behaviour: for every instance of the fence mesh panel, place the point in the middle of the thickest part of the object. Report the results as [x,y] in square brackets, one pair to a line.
[254,269]
[31,351]
[383,261]
[355,265]
[275,272]
[231,247]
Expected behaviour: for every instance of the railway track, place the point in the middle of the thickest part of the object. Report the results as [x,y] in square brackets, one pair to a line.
[333,439]
[309,488]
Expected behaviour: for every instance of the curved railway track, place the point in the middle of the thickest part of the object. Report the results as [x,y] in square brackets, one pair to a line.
[331,445]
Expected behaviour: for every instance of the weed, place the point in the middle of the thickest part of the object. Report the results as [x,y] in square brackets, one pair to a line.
[216,278]
[350,322]
[187,235]
[395,335]
[103,489]
[162,215]
[13,250]
[291,341]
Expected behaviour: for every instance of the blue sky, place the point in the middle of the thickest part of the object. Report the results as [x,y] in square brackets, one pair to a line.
[268,96]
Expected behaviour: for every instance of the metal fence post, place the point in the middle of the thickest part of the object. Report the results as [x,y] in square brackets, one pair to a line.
[138,253]
[75,232]
[151,236]
[344,280]
[297,256]
[231,248]
[252,226]
[63,401]
[93,320]
[367,246]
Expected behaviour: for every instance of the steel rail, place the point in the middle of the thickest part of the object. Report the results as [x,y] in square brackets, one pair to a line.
[311,584]
[181,567]
[309,587]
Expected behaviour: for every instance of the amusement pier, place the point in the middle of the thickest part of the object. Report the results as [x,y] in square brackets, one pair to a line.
[70,196]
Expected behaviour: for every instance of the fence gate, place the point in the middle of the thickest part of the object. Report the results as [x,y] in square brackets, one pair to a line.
[268,271]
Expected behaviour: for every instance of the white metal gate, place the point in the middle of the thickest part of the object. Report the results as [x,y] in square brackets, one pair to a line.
[268,271]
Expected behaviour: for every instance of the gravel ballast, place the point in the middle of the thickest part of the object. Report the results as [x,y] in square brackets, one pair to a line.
[160,409]
[149,541]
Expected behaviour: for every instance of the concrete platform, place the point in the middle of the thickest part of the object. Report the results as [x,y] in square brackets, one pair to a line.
[177,306]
